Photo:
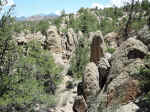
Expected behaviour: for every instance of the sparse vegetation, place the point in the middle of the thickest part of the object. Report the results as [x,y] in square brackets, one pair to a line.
[79,60]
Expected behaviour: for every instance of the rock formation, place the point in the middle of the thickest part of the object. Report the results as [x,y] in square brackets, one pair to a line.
[112,40]
[90,81]
[97,47]
[23,37]
[53,40]
[95,73]
[91,86]
[113,84]
[144,36]
[121,87]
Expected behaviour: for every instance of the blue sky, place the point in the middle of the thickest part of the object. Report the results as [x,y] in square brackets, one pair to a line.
[32,7]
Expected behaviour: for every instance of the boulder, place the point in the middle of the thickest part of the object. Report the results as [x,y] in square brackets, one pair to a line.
[112,40]
[130,107]
[108,56]
[71,38]
[121,86]
[28,36]
[144,36]
[80,104]
[69,43]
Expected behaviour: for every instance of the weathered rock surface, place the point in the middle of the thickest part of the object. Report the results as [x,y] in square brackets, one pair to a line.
[61,45]
[144,36]
[53,40]
[121,86]
[112,40]
[91,86]
[97,47]
[90,80]
[69,42]
[28,36]
[130,107]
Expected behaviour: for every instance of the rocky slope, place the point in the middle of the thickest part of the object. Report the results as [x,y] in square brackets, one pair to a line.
[107,83]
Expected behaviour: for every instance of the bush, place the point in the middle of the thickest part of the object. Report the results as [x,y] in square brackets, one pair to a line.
[111,50]
[57,22]
[74,23]
[107,26]
[42,26]
[138,23]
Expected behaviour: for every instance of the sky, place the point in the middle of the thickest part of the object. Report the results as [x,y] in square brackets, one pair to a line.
[32,7]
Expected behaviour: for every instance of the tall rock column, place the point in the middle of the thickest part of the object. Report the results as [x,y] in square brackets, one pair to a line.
[97,47]
[91,86]
[92,77]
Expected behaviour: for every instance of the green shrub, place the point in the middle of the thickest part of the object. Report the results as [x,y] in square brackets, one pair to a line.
[107,26]
[42,26]
[111,50]
[57,22]
[74,23]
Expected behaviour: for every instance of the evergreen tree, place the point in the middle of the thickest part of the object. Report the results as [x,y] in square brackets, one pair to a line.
[7,51]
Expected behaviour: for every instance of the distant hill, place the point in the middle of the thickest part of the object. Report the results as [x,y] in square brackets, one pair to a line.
[37,17]
[22,18]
